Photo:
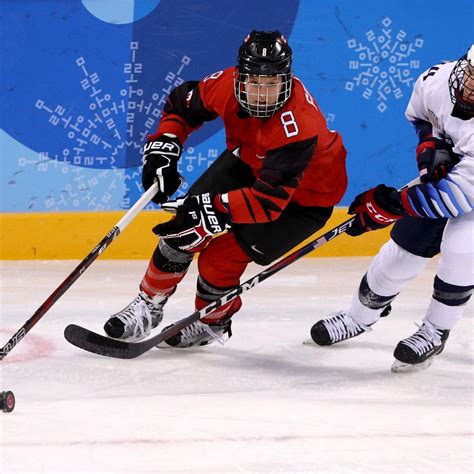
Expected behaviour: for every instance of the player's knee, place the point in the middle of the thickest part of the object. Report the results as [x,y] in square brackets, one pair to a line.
[451,295]
[392,268]
[457,267]
[223,262]
[400,263]
[370,299]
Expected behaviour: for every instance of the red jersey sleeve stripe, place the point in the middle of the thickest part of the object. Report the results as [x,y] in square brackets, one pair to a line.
[239,208]
[247,208]
[259,207]
[281,203]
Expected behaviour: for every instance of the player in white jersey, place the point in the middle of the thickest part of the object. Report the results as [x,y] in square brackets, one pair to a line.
[432,217]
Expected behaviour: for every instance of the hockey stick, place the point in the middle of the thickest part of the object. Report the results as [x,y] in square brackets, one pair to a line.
[79,270]
[98,344]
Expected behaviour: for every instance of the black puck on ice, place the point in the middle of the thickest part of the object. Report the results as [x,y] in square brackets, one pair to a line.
[7,401]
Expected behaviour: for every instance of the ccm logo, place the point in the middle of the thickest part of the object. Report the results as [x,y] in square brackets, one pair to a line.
[377,216]
[230,296]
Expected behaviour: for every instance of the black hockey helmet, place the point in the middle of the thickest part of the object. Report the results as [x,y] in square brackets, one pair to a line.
[461,83]
[262,81]
[265,52]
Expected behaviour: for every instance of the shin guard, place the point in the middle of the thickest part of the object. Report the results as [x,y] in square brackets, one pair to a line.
[206,294]
[165,270]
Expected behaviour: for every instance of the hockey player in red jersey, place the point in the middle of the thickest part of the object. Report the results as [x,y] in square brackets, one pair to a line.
[274,185]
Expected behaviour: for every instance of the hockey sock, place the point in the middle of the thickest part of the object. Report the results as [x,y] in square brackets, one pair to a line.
[447,304]
[206,294]
[165,270]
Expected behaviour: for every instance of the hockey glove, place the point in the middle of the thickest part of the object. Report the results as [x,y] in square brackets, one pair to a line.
[374,209]
[197,218]
[435,158]
[160,163]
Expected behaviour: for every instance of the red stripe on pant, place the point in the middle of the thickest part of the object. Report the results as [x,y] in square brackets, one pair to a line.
[156,282]
[225,311]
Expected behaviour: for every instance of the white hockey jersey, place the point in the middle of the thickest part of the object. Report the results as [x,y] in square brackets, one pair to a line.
[431,102]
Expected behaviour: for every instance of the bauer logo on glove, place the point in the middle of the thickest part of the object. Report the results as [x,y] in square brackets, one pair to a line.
[198,217]
[170,148]
[160,164]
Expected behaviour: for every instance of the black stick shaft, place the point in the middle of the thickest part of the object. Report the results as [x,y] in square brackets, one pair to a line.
[276,267]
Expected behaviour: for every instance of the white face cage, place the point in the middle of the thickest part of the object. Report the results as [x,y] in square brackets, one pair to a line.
[261,96]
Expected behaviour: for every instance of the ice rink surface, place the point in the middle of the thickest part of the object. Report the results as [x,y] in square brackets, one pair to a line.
[263,402]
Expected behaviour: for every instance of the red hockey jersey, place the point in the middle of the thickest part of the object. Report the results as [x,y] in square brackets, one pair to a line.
[293,155]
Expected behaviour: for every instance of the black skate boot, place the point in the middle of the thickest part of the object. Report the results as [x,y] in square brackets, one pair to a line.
[136,320]
[416,352]
[200,334]
[336,328]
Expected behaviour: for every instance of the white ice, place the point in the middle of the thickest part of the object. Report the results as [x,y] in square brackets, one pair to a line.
[262,403]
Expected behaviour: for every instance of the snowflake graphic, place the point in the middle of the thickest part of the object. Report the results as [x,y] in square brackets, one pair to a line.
[90,147]
[81,191]
[384,64]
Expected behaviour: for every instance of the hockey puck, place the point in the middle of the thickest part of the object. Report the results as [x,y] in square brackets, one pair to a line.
[7,401]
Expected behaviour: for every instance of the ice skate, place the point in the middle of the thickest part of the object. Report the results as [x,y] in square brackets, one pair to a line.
[417,351]
[200,334]
[136,320]
[336,328]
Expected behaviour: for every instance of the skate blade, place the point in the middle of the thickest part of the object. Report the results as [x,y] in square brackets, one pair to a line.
[309,342]
[402,368]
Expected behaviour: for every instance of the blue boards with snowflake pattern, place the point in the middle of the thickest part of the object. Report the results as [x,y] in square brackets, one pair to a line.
[84,82]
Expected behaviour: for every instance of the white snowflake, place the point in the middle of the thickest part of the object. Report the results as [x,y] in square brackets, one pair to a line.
[384,64]
[100,130]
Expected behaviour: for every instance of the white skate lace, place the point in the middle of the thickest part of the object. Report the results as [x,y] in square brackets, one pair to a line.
[341,326]
[135,316]
[424,339]
[198,328]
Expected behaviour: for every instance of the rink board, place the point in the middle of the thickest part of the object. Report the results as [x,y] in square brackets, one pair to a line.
[72,235]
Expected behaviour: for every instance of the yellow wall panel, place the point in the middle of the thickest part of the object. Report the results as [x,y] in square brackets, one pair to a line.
[72,235]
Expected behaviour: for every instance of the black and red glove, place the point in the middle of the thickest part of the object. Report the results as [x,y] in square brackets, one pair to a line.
[198,217]
[435,158]
[374,209]
[160,163]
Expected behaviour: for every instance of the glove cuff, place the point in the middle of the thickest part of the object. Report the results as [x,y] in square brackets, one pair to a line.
[429,143]
[389,200]
[405,203]
[220,205]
